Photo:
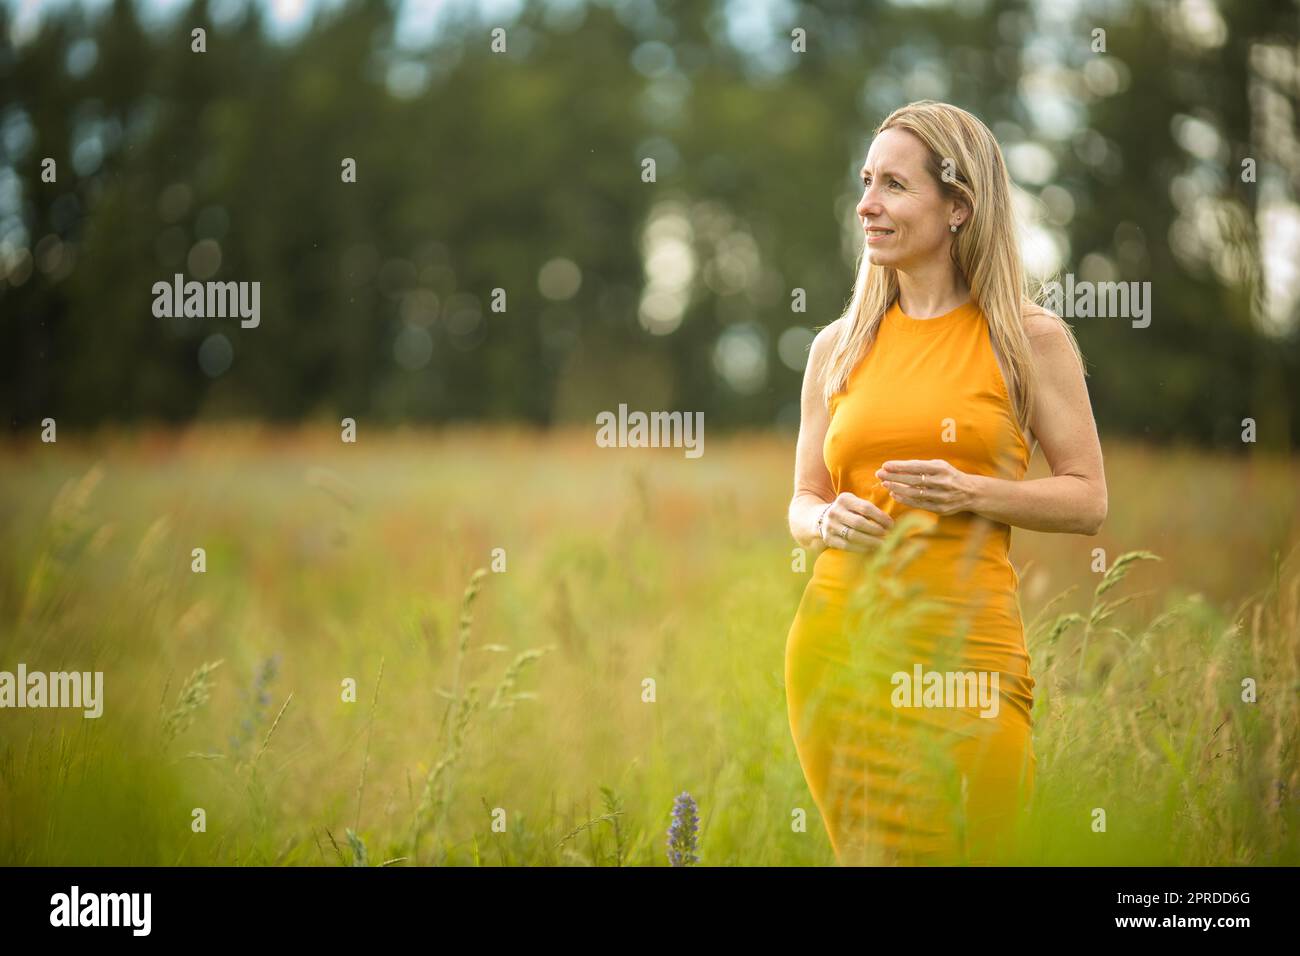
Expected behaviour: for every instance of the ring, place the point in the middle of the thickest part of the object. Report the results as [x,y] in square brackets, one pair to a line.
[844,532]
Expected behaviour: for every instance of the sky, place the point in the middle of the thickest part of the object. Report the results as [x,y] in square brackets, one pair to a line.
[749,22]
[286,18]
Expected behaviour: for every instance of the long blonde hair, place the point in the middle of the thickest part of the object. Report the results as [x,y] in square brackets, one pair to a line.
[986,250]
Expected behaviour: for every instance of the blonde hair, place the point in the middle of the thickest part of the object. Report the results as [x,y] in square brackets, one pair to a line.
[986,250]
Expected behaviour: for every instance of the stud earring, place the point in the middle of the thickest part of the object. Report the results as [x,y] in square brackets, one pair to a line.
[953,228]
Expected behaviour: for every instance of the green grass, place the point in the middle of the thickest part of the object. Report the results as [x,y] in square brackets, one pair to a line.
[517,696]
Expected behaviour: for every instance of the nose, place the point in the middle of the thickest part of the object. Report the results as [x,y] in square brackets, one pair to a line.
[869,205]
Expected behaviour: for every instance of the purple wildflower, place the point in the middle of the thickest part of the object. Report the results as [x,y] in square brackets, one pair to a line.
[682,835]
[256,699]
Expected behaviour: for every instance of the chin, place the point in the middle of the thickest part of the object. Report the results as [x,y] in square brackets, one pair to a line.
[881,257]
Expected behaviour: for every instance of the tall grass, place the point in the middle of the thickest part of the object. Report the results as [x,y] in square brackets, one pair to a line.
[519,698]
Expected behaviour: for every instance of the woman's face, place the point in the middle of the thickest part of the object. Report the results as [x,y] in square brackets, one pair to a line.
[903,211]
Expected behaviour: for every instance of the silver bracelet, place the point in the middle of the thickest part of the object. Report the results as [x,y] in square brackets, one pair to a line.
[820,519]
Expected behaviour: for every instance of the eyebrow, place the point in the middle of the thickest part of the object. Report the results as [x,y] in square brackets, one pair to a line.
[863,172]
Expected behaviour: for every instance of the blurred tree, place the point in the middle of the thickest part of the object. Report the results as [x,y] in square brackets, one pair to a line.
[522,171]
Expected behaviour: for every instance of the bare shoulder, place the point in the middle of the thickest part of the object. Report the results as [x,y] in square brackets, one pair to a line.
[1056,352]
[826,335]
[822,342]
[1042,324]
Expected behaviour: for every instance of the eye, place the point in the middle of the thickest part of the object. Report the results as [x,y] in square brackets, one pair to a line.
[895,182]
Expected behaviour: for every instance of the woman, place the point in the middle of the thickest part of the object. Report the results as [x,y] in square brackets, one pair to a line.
[907,679]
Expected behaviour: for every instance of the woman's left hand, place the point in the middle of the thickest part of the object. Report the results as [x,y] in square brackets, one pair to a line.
[933,485]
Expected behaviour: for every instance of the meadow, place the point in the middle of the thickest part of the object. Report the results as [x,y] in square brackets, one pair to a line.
[499,714]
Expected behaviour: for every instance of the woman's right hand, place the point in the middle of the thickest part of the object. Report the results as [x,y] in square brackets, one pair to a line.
[867,525]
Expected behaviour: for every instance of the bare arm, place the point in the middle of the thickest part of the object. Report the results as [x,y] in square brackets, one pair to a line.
[1073,500]
[813,490]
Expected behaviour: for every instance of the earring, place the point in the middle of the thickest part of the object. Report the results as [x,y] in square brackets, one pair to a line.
[953,228]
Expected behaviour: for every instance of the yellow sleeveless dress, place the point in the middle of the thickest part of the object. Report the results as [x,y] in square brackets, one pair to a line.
[907,679]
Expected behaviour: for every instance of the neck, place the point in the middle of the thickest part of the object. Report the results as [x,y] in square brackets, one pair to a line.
[931,290]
